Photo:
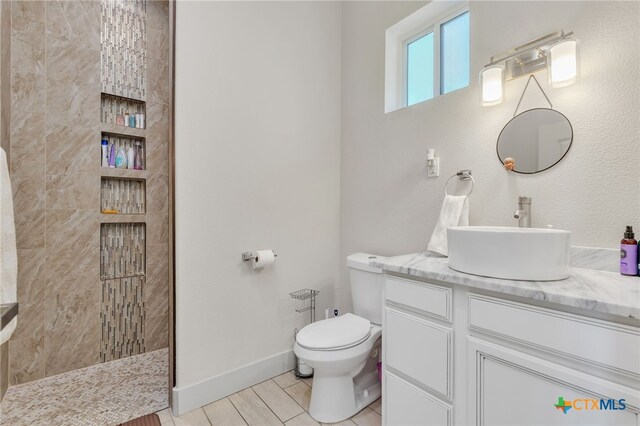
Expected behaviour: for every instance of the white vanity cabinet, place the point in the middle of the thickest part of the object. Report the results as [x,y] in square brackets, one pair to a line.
[455,357]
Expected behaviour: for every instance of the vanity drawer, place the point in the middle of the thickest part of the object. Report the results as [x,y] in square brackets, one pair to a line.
[405,404]
[419,349]
[432,299]
[590,340]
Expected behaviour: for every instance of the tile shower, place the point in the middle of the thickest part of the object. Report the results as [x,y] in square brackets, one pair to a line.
[92,287]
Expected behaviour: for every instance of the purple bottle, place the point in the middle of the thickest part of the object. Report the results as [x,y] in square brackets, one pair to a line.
[629,253]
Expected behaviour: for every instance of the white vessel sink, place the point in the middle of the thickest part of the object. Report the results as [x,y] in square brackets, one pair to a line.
[529,254]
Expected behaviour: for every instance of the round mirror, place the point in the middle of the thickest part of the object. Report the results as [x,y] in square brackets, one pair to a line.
[534,140]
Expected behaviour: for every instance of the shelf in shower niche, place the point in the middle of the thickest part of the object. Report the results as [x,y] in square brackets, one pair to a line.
[122,218]
[112,106]
[128,143]
[123,173]
[114,129]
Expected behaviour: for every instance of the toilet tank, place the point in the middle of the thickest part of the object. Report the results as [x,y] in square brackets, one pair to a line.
[366,287]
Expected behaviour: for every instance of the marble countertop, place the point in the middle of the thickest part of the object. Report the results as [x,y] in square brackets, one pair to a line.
[598,291]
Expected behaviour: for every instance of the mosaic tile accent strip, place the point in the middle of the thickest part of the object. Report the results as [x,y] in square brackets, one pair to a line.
[124,40]
[127,196]
[122,318]
[126,142]
[103,394]
[114,110]
[122,250]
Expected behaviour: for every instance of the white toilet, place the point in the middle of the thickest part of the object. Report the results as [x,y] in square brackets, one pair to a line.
[344,351]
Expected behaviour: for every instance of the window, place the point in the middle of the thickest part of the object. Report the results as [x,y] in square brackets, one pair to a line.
[420,69]
[454,54]
[427,54]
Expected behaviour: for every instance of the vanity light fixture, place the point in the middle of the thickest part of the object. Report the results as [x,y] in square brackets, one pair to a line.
[492,82]
[563,63]
[557,52]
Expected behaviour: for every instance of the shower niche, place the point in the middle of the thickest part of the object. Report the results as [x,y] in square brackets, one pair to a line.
[122,196]
[122,250]
[123,277]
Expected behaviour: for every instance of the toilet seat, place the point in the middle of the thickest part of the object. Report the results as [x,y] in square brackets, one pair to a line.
[334,334]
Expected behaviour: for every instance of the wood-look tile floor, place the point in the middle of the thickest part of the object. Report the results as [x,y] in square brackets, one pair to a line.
[280,400]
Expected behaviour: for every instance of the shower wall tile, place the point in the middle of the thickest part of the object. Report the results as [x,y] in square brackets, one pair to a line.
[72,329]
[156,333]
[29,205]
[122,318]
[26,360]
[72,191]
[124,50]
[30,276]
[157,32]
[63,226]
[157,264]
[157,193]
[72,257]
[157,229]
[31,322]
[27,122]
[30,229]
[27,85]
[76,22]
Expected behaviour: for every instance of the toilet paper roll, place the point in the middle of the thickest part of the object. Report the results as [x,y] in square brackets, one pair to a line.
[263,258]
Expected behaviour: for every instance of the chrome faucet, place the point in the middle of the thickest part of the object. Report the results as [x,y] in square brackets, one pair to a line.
[523,214]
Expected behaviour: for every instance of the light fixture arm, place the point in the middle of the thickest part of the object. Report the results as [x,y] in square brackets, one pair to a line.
[537,43]
[525,91]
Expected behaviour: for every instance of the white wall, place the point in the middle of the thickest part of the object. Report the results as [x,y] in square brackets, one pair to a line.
[257,166]
[387,205]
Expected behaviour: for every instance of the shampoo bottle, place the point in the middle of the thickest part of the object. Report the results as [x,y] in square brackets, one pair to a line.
[105,153]
[121,159]
[130,158]
[629,253]
[112,155]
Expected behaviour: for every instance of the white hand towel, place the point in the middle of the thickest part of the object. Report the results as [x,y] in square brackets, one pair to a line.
[8,254]
[454,212]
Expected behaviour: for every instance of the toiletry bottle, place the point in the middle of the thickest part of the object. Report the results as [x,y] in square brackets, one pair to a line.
[141,121]
[137,165]
[120,120]
[126,119]
[132,120]
[112,155]
[121,159]
[130,158]
[105,153]
[629,253]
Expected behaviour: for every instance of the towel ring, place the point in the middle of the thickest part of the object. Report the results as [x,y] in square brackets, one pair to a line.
[463,175]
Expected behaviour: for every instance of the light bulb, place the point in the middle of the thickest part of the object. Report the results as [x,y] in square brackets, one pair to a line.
[491,83]
[562,63]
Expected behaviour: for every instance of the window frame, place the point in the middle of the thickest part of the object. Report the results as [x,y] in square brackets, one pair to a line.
[434,26]
[429,18]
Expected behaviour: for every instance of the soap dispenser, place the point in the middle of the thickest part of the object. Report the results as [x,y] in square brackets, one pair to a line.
[629,253]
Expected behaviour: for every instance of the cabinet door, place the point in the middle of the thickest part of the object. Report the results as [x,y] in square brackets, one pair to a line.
[405,404]
[511,388]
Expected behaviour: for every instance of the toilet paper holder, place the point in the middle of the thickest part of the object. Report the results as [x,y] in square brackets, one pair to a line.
[250,255]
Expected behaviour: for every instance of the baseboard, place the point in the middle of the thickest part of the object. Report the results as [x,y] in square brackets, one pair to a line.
[202,393]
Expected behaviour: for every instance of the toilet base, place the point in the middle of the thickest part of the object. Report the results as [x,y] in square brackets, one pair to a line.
[337,398]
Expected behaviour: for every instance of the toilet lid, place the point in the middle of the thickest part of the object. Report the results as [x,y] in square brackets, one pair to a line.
[334,333]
